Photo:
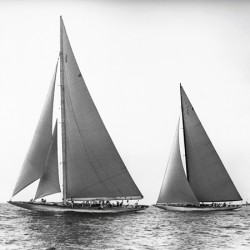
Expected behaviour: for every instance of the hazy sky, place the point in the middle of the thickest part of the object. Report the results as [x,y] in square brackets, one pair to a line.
[133,56]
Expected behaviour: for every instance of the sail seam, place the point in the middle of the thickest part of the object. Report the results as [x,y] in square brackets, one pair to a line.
[72,83]
[85,145]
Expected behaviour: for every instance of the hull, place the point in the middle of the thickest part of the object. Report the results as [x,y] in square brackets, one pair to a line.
[197,209]
[56,207]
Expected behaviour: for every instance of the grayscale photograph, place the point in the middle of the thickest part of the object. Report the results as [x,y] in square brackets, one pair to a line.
[125,124]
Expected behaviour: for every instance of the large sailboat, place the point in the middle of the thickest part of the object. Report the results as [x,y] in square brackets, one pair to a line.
[205,185]
[94,177]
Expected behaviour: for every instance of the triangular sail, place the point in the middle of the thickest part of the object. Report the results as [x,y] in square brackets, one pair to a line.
[34,163]
[175,187]
[207,175]
[49,183]
[94,167]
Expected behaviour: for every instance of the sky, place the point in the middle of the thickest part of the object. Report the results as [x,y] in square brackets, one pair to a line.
[133,56]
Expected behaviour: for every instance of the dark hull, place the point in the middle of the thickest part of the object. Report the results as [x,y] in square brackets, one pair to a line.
[54,207]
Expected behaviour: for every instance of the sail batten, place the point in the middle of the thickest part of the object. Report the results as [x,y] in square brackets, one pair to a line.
[34,163]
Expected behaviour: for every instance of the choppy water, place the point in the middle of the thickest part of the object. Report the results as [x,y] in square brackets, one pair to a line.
[150,229]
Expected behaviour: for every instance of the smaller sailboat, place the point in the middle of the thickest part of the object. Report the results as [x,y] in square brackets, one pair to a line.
[205,185]
[94,177]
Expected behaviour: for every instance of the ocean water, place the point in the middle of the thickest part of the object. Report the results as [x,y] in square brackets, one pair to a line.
[150,229]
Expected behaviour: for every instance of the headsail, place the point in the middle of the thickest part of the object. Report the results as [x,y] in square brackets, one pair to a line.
[94,167]
[49,183]
[175,187]
[34,163]
[207,175]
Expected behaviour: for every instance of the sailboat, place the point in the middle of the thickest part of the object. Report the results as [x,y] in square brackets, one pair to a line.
[205,185]
[94,177]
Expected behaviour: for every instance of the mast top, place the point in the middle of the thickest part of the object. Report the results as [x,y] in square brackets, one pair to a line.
[61,21]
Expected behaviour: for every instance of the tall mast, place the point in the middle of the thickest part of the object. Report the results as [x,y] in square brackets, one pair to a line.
[184,133]
[63,112]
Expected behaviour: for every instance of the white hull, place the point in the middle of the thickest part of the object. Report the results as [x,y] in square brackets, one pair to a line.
[53,207]
[197,209]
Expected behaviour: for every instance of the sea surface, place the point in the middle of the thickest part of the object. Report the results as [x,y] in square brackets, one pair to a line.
[150,229]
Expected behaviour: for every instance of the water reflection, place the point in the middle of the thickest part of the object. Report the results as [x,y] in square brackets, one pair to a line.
[199,230]
[68,229]
[151,229]
[71,229]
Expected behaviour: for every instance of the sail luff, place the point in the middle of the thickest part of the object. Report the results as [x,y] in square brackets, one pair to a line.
[184,134]
[34,162]
[63,124]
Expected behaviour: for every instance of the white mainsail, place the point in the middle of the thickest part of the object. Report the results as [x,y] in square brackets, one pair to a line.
[207,175]
[175,187]
[94,168]
[35,160]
